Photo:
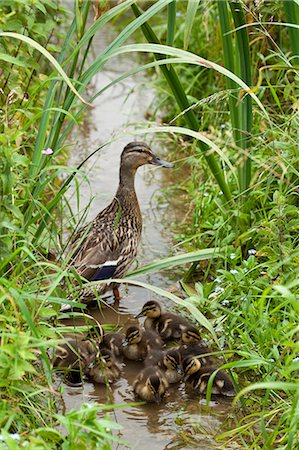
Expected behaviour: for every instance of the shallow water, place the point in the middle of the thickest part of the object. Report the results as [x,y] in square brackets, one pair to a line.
[179,422]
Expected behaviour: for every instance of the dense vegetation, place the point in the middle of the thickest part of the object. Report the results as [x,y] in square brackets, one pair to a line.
[241,183]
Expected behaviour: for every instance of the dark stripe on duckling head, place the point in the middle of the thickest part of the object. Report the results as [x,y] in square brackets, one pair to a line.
[190,334]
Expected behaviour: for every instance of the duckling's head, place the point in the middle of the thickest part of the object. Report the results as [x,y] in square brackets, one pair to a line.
[190,334]
[150,309]
[190,365]
[133,336]
[153,384]
[172,360]
[136,154]
[223,385]
[106,358]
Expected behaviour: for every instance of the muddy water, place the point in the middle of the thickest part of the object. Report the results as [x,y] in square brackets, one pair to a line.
[179,422]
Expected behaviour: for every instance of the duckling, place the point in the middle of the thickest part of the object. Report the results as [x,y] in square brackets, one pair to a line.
[190,334]
[74,357]
[139,343]
[112,341]
[199,349]
[167,324]
[106,247]
[104,369]
[169,361]
[197,378]
[150,384]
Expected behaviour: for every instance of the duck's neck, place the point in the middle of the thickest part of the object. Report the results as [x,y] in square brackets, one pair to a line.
[126,194]
[127,178]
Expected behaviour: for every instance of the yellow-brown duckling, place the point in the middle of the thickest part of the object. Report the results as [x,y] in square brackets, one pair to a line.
[112,341]
[197,377]
[74,357]
[139,343]
[190,334]
[150,384]
[169,361]
[196,349]
[168,325]
[104,368]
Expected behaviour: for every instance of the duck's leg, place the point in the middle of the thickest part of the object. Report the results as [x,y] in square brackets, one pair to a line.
[116,293]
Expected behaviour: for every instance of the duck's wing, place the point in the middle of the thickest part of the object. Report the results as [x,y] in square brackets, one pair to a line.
[97,263]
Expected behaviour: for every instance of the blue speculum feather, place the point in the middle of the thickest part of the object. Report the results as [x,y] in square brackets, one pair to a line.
[104,272]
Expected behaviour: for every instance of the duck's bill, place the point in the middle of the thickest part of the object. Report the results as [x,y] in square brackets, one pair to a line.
[160,162]
[139,315]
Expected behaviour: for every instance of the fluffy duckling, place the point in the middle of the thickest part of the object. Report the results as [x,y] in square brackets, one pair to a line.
[112,341]
[169,361]
[168,325]
[150,384]
[139,343]
[74,358]
[190,334]
[104,369]
[199,349]
[197,378]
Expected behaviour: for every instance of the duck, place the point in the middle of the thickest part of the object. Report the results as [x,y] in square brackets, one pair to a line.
[168,325]
[197,376]
[190,334]
[73,357]
[107,246]
[150,384]
[169,362]
[112,341]
[199,349]
[104,369]
[138,343]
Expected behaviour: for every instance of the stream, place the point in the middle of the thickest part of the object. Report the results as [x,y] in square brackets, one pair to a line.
[179,422]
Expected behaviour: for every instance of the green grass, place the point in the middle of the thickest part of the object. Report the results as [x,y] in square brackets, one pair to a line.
[234,92]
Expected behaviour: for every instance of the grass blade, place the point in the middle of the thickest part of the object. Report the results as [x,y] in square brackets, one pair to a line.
[177,260]
[190,16]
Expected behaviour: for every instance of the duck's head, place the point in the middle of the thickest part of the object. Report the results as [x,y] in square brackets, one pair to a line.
[136,154]
[190,365]
[133,336]
[172,359]
[105,358]
[153,385]
[150,309]
[190,334]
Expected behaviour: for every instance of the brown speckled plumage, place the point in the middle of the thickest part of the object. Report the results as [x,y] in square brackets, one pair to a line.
[115,233]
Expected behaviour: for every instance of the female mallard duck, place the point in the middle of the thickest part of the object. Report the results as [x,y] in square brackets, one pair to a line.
[74,357]
[150,384]
[168,325]
[107,246]
[139,343]
[104,369]
[197,377]
[169,361]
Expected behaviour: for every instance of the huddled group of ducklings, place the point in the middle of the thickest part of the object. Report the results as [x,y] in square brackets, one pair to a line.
[99,359]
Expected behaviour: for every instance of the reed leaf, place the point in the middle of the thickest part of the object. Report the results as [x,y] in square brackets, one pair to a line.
[245,107]
[177,260]
[171,19]
[190,16]
[291,8]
